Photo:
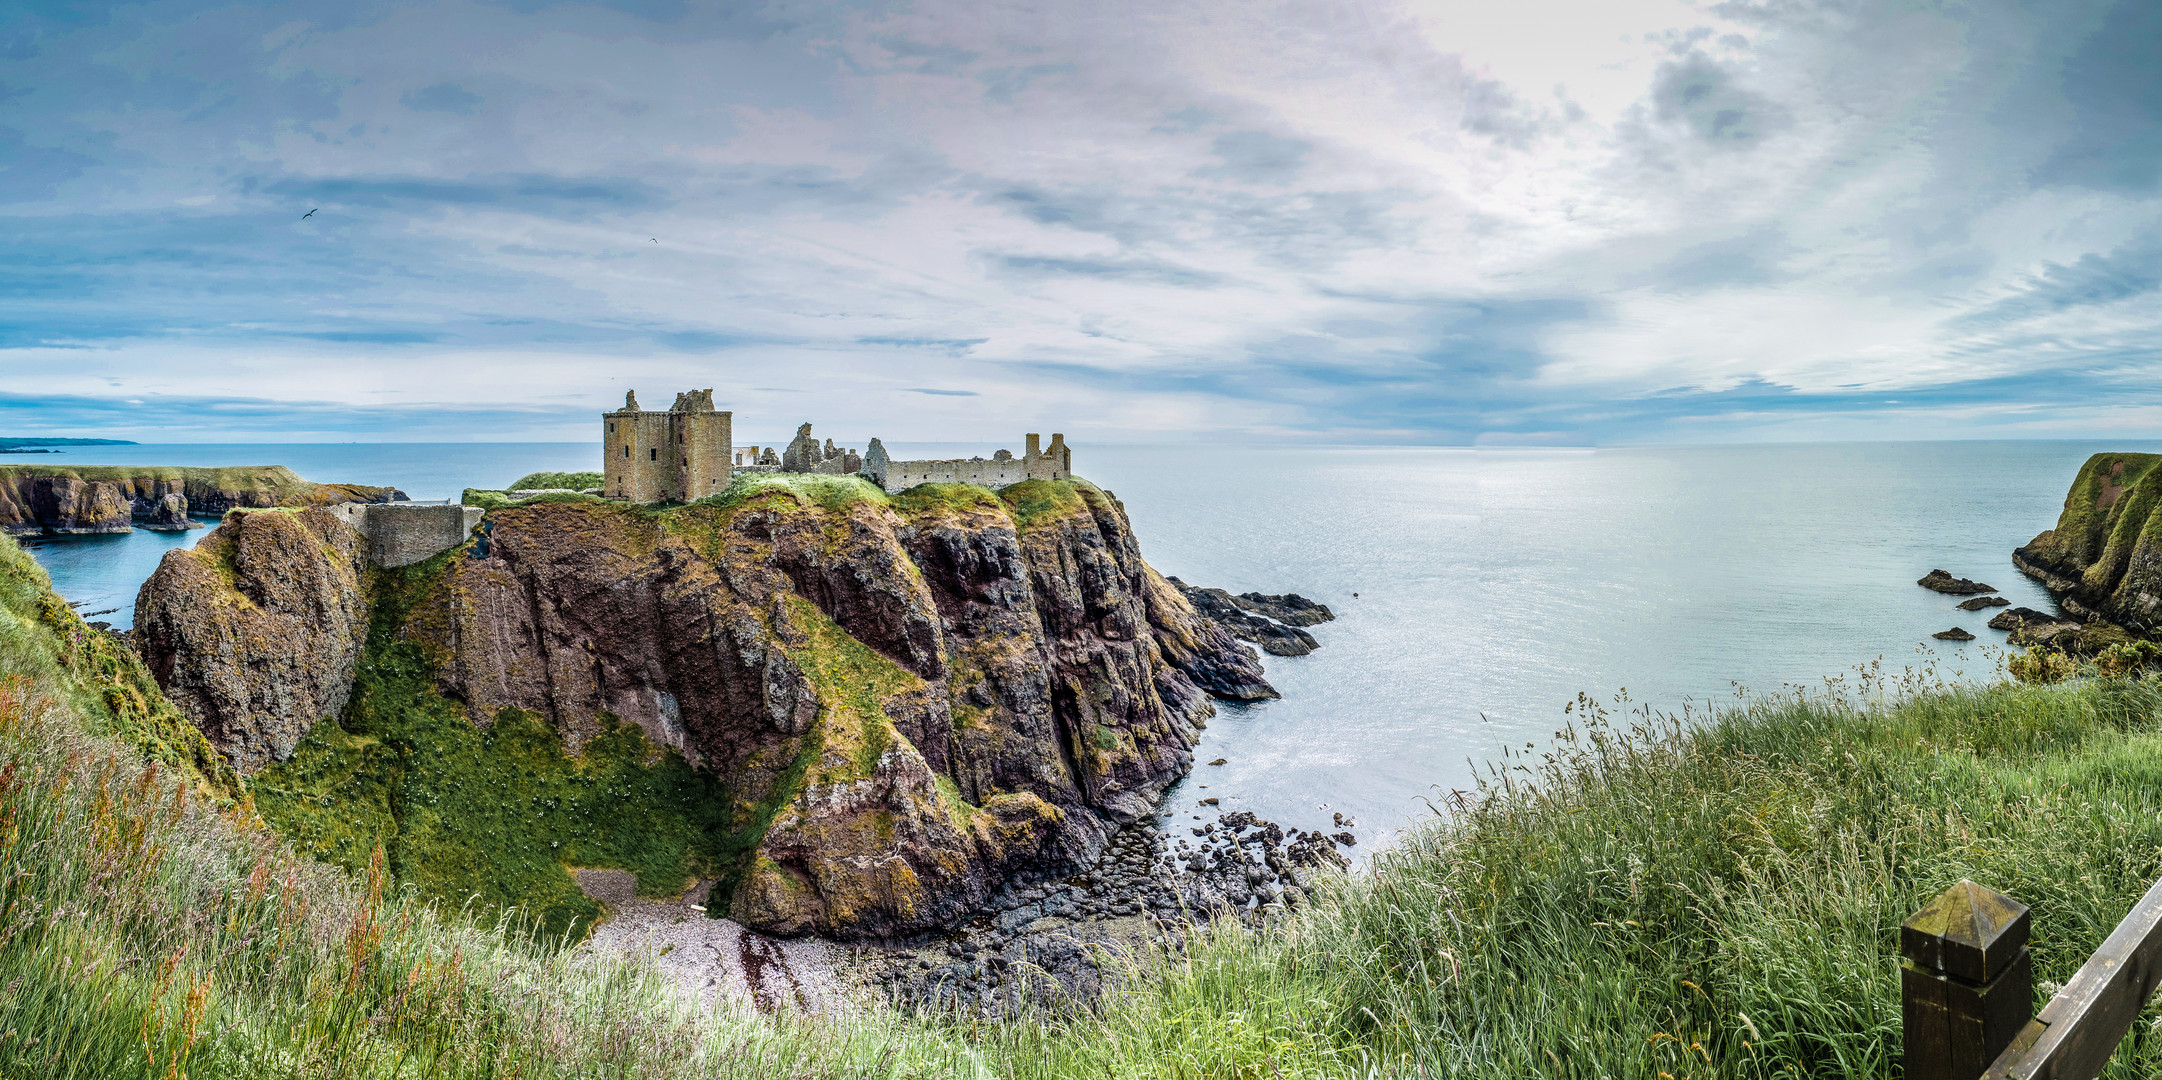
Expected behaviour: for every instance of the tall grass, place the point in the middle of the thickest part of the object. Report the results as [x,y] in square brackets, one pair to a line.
[1652,898]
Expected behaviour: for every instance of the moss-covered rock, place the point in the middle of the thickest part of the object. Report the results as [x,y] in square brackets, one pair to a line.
[2104,558]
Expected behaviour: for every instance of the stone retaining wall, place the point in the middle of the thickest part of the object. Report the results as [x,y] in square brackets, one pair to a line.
[401,534]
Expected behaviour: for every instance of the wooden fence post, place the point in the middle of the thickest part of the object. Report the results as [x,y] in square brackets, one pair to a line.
[1967,983]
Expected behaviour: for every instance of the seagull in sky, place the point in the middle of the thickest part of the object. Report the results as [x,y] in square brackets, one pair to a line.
[309,214]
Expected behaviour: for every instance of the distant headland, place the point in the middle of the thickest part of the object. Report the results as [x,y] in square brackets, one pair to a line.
[46,446]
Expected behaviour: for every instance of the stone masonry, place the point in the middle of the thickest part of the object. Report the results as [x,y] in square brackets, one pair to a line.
[997,471]
[678,455]
[401,534]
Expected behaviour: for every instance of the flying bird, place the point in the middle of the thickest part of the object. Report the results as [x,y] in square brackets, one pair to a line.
[656,239]
[309,214]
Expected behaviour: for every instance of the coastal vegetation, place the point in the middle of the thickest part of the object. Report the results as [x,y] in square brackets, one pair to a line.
[1648,896]
[488,815]
[574,481]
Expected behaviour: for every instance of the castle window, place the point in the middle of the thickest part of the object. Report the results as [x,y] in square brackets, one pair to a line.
[611,427]
[653,455]
[626,449]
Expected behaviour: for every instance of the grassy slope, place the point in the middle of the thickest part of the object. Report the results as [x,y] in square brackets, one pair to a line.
[276,479]
[103,682]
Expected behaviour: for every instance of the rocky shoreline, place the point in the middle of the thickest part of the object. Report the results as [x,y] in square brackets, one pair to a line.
[1272,622]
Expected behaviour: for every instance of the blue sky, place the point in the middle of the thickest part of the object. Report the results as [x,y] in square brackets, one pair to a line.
[1548,221]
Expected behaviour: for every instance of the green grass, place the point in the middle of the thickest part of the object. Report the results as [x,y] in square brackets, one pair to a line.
[575,481]
[829,492]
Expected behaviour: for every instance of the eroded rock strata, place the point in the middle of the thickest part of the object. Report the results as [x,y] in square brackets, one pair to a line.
[60,501]
[906,699]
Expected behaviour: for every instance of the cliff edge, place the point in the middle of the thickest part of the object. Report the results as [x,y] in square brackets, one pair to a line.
[2104,558]
[892,702]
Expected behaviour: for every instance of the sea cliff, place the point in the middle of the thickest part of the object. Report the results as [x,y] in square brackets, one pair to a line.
[66,500]
[2104,559]
[862,712]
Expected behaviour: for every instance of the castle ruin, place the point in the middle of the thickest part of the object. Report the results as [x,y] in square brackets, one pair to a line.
[686,453]
[679,455]
[997,471]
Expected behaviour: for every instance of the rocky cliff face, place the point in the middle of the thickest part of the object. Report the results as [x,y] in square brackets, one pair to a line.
[2104,558]
[254,633]
[60,500]
[906,699]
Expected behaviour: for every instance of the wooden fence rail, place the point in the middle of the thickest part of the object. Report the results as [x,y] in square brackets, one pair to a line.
[1967,987]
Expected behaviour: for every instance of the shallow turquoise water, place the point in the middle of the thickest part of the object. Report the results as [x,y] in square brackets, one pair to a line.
[1493,585]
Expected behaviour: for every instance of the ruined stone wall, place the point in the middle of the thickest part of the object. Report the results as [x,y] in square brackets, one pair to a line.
[987,472]
[638,456]
[997,471]
[401,534]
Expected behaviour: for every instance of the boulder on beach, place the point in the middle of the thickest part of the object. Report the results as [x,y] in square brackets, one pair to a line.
[1942,581]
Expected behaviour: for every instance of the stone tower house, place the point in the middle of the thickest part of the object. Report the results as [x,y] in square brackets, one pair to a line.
[683,454]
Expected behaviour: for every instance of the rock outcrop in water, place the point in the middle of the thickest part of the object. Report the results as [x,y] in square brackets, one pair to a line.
[907,699]
[68,500]
[2104,558]
[1272,622]
[1942,581]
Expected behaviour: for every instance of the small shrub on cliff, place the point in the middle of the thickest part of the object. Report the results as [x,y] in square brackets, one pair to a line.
[2042,665]
[2127,659]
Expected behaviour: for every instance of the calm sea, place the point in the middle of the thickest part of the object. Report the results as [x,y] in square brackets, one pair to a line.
[1477,591]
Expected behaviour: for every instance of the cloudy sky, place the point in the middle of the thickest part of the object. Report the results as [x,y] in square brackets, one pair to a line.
[1441,221]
